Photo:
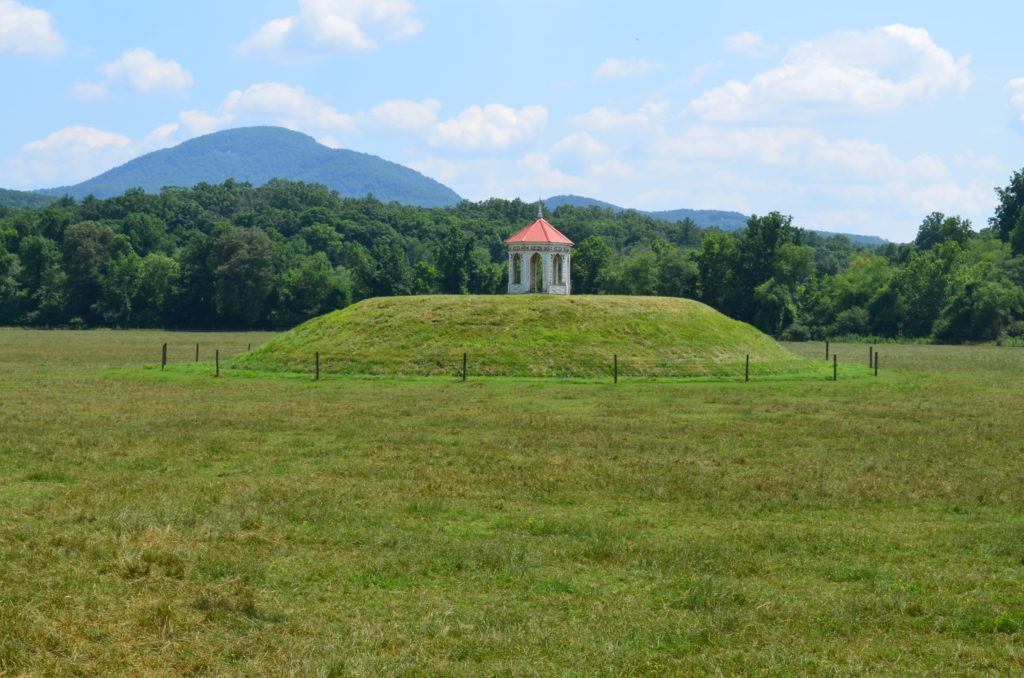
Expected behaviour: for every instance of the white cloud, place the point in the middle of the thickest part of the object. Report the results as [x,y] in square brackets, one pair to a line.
[76,153]
[271,36]
[582,144]
[88,91]
[336,24]
[612,168]
[291,103]
[147,73]
[541,176]
[71,154]
[882,69]
[407,115]
[444,170]
[201,122]
[984,163]
[491,126]
[269,103]
[633,67]
[789,168]
[950,197]
[747,43]
[77,138]
[777,146]
[805,150]
[1016,89]
[27,30]
[161,136]
[609,119]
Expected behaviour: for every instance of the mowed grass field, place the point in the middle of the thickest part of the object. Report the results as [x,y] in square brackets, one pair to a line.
[170,524]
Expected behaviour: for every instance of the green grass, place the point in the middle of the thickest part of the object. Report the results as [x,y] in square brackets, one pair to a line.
[528,335]
[983,359]
[176,524]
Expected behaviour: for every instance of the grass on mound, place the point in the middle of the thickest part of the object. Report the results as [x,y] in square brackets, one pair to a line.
[529,335]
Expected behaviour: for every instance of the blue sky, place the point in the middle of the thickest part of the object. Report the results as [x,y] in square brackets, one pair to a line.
[860,118]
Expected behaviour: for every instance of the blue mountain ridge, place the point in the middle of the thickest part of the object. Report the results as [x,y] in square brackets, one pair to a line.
[727,221]
[259,154]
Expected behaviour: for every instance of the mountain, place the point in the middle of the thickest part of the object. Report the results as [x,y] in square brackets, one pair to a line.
[727,221]
[258,154]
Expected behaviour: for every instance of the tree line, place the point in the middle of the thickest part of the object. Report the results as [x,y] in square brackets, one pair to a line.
[234,256]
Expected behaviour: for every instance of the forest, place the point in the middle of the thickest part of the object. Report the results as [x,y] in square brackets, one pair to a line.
[235,256]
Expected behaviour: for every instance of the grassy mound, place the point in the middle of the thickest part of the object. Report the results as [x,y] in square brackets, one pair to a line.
[524,336]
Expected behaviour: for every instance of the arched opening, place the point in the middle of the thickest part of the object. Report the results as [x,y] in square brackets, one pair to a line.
[517,269]
[536,273]
[557,265]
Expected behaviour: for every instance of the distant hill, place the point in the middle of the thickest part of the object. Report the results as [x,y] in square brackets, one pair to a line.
[727,221]
[258,154]
[9,198]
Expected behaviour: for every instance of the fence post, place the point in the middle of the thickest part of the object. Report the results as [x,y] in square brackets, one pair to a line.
[826,349]
[835,372]
[317,377]
[876,363]
[746,370]
[464,360]
[163,357]
[615,367]
[250,348]
[197,352]
[871,352]
[217,360]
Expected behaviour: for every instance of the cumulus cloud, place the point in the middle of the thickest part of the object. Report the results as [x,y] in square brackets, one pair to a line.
[76,153]
[491,126]
[269,103]
[839,160]
[78,138]
[610,119]
[271,36]
[784,167]
[542,176]
[27,30]
[141,70]
[747,43]
[444,170]
[852,71]
[633,67]
[1016,89]
[407,115]
[201,122]
[777,146]
[583,144]
[348,25]
[147,73]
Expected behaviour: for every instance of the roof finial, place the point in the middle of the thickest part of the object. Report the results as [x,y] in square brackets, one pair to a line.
[540,209]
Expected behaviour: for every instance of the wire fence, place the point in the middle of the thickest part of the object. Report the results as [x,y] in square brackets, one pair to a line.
[462,366]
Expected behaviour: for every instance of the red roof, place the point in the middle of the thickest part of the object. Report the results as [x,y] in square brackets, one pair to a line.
[540,231]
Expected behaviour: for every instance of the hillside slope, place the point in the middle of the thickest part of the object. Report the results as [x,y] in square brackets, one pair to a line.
[527,335]
[11,198]
[258,154]
[727,221]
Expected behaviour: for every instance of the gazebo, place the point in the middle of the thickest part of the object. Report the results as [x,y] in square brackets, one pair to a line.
[538,259]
